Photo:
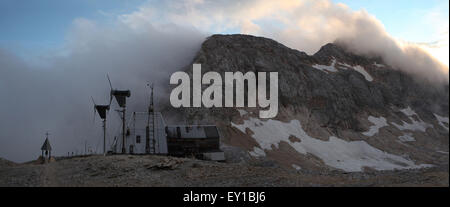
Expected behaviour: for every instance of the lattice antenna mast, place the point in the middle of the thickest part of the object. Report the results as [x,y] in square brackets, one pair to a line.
[150,129]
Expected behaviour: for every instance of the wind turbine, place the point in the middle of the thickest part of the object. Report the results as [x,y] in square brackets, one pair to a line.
[101,110]
[121,98]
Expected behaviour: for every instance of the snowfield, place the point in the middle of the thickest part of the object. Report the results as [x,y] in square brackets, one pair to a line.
[379,65]
[408,111]
[242,112]
[361,70]
[296,167]
[332,68]
[379,123]
[257,152]
[348,156]
[442,121]
[408,137]
[324,68]
[416,125]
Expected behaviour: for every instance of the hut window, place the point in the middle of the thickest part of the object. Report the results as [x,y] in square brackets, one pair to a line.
[138,139]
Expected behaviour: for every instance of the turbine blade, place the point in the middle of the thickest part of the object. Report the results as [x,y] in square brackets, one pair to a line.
[95,110]
[110,98]
[92,98]
[109,80]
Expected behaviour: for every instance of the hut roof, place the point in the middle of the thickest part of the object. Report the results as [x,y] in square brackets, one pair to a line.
[46,145]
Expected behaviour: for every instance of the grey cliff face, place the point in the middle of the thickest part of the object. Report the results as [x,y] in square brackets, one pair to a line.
[333,98]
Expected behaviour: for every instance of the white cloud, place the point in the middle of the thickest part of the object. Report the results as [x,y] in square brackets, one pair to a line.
[57,99]
[302,24]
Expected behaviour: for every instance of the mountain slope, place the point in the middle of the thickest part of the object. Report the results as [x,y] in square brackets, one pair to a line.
[337,110]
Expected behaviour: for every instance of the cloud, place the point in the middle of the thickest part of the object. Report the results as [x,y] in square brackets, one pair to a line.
[57,98]
[306,25]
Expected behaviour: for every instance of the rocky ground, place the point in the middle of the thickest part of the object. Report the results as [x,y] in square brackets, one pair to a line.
[149,170]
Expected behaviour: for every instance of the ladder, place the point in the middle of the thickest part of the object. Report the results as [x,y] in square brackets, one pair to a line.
[150,131]
[151,142]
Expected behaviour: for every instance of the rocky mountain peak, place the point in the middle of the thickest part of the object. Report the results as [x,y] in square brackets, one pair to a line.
[331,49]
[339,52]
[332,96]
[345,83]
[250,46]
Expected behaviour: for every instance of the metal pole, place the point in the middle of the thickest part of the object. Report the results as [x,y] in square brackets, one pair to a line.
[123,131]
[154,130]
[104,136]
[147,134]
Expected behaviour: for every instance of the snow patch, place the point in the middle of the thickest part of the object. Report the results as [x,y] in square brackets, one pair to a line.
[242,112]
[443,152]
[296,167]
[379,123]
[257,152]
[442,120]
[332,68]
[379,65]
[324,68]
[361,70]
[348,156]
[346,66]
[419,125]
[408,111]
[415,126]
[407,138]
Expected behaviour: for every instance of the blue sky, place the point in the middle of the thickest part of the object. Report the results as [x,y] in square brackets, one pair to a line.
[405,19]
[29,27]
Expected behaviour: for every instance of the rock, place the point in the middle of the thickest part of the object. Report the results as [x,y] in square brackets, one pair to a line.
[166,164]
[6,163]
